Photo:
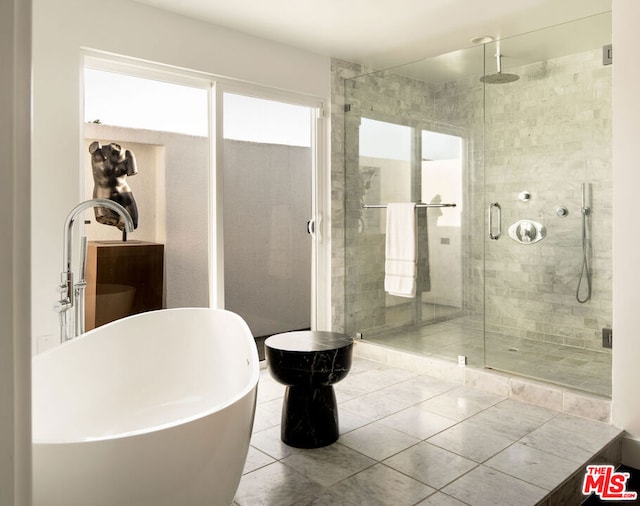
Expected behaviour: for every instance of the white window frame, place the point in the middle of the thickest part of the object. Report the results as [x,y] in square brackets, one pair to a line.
[321,194]
[320,204]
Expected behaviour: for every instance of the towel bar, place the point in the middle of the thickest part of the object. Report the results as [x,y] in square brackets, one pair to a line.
[418,204]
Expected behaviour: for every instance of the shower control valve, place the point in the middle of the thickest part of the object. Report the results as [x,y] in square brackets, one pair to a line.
[527,231]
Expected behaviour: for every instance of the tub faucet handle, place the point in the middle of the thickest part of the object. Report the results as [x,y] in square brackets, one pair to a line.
[61,306]
[63,292]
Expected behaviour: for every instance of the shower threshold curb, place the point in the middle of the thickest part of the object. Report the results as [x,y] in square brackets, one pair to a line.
[546,395]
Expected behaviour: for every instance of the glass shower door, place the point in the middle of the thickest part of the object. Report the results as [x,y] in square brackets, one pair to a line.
[548,134]
[405,143]
[531,132]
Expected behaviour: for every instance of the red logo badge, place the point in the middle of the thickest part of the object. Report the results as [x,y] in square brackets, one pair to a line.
[607,483]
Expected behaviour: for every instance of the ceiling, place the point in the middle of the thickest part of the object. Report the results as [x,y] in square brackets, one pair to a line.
[382,33]
[584,34]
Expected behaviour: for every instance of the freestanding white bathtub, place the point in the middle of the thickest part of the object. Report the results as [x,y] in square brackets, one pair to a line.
[152,410]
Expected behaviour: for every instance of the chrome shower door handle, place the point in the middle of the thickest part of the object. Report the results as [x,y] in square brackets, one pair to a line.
[495,209]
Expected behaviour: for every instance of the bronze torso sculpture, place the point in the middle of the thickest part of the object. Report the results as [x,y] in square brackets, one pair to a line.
[110,166]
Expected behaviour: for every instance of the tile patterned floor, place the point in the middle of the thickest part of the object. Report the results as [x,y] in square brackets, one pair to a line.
[581,369]
[411,439]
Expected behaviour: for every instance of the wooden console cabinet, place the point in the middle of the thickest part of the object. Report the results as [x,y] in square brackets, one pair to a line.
[123,278]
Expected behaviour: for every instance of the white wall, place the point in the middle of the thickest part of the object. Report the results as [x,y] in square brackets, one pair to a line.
[61,29]
[15,350]
[626,256]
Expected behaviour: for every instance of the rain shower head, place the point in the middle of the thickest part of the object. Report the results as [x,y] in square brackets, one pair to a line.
[499,77]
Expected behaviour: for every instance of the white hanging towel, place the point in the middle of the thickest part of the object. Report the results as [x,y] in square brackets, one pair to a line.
[400,263]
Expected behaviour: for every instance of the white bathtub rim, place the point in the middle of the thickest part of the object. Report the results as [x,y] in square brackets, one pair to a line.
[88,333]
[147,430]
[247,390]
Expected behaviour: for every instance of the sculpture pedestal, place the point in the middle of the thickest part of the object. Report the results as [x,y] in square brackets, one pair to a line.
[123,278]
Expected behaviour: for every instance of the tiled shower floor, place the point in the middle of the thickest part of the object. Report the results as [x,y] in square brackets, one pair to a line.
[412,439]
[576,368]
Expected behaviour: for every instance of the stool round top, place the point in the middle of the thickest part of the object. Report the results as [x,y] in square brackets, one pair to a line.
[308,341]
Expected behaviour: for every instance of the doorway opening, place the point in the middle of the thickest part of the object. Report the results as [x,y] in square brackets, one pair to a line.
[268,210]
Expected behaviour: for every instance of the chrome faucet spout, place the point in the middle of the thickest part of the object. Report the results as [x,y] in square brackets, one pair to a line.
[75,212]
[66,302]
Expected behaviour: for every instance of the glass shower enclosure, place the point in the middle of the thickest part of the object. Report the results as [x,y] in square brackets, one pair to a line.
[507,146]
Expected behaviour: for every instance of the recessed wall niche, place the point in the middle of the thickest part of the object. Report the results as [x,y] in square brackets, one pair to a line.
[171,193]
[148,187]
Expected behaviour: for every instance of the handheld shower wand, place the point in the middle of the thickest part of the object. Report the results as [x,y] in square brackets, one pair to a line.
[585,271]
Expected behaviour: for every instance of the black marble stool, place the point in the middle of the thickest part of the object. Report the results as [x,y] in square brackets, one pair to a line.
[309,363]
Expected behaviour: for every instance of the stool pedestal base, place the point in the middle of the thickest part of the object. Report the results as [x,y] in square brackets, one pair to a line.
[309,417]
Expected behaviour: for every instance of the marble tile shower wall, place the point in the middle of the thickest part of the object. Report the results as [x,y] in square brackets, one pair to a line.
[545,133]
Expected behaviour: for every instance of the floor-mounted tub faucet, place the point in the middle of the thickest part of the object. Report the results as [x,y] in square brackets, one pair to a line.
[72,296]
